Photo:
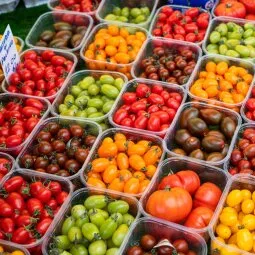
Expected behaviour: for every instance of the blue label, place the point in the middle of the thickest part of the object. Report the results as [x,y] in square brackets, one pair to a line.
[206,4]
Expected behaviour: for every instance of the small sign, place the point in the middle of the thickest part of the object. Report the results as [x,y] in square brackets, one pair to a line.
[9,56]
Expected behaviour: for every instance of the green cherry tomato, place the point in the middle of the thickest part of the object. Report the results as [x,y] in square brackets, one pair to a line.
[62,108]
[91,110]
[125,12]
[249,26]
[135,12]
[82,220]
[243,51]
[84,84]
[69,100]
[74,234]
[107,106]
[65,253]
[112,251]
[119,206]
[67,224]
[111,17]
[93,90]
[78,211]
[248,33]
[234,35]
[90,231]
[96,201]
[110,243]
[139,19]
[97,218]
[128,219]
[231,26]
[116,11]
[232,53]
[108,228]
[223,49]
[95,102]
[118,217]
[252,51]
[250,41]
[119,83]
[212,47]
[81,101]
[146,11]
[79,249]
[76,90]
[97,248]
[104,126]
[122,19]
[222,29]
[232,43]
[62,242]
[109,91]
[119,235]
[214,37]
[106,79]
[81,114]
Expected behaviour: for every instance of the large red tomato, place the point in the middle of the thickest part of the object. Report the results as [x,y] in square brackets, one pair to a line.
[231,9]
[249,5]
[186,179]
[172,205]
[208,195]
[199,218]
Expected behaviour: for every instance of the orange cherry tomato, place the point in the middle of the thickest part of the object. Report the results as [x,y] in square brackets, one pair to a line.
[137,163]
[143,185]
[99,164]
[119,136]
[132,186]
[94,175]
[117,184]
[122,161]
[152,155]
[96,182]
[110,173]
[139,175]
[107,150]
[150,171]
[136,149]
[125,175]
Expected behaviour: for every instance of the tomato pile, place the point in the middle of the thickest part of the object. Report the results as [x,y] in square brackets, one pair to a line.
[222,82]
[91,97]
[40,74]
[151,108]
[242,158]
[188,26]
[242,9]
[77,5]
[181,198]
[147,242]
[14,252]
[58,150]
[28,208]
[249,108]
[18,118]
[96,226]
[166,63]
[236,223]
[123,164]
[6,165]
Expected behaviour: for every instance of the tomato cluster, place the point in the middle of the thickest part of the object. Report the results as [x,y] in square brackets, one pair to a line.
[168,64]
[242,158]
[78,5]
[250,106]
[28,208]
[40,74]
[58,150]
[188,26]
[152,108]
[5,166]
[147,242]
[18,118]
[181,198]
[124,164]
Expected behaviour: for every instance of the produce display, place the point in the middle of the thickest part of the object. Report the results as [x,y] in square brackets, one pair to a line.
[249,106]
[231,39]
[165,62]
[113,47]
[204,134]
[188,24]
[95,225]
[242,9]
[29,205]
[124,162]
[40,73]
[6,164]
[58,149]
[19,115]
[242,158]
[92,97]
[222,82]
[147,106]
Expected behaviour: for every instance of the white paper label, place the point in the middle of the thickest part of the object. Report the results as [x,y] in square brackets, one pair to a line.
[9,56]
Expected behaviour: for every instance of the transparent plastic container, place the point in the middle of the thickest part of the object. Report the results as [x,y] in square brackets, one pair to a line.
[11,247]
[53,3]
[130,87]
[91,127]
[215,22]
[12,162]
[34,3]
[176,8]
[103,65]
[31,176]
[46,21]
[174,165]
[77,77]
[134,135]
[231,62]
[67,55]
[169,143]
[8,6]
[107,6]
[78,197]
[5,98]
[239,135]
[244,108]
[239,181]
[151,43]
[161,230]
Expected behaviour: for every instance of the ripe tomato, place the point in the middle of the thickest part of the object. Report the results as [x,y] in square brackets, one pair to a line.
[231,8]
[31,123]
[20,235]
[7,225]
[47,55]
[34,103]
[192,12]
[142,90]
[61,197]
[54,187]
[57,60]
[34,207]
[120,115]
[6,210]
[16,201]
[43,225]
[129,97]
[5,166]
[141,122]
[153,123]
[13,184]
[44,195]
[13,141]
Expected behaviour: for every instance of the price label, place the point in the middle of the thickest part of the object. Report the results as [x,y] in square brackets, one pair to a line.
[9,56]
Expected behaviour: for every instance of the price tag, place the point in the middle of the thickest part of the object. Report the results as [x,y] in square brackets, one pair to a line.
[9,56]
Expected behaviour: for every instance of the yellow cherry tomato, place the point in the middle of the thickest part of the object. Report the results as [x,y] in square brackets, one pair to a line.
[229,250]
[232,239]
[228,210]
[1,247]
[237,208]
[234,198]
[244,239]
[223,231]
[236,227]
[248,206]
[253,196]
[216,245]
[240,216]
[228,219]
[246,194]
[17,253]
[248,222]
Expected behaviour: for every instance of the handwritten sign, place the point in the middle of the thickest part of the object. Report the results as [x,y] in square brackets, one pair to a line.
[9,56]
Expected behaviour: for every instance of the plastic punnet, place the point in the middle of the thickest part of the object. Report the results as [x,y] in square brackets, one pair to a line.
[218,58]
[78,197]
[151,43]
[11,247]
[135,135]
[169,143]
[130,87]
[107,6]
[77,77]
[68,55]
[91,127]
[161,230]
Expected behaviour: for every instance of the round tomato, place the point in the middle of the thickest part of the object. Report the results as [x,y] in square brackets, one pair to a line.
[231,9]
[249,5]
